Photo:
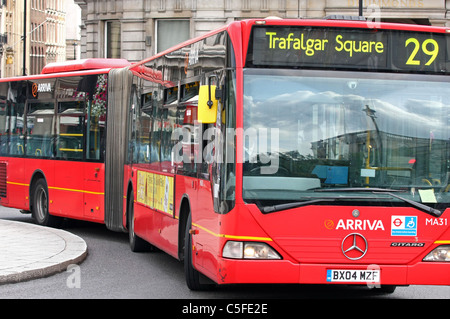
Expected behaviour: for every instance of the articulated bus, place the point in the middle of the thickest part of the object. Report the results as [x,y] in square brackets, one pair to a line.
[267,151]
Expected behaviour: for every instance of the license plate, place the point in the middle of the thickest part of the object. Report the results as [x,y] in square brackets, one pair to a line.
[342,275]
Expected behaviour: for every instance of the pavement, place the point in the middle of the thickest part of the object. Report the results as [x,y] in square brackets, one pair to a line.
[29,251]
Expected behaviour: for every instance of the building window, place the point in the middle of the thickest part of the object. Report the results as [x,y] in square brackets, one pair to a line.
[112,39]
[170,33]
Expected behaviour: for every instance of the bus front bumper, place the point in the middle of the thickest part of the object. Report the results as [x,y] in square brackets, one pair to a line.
[285,272]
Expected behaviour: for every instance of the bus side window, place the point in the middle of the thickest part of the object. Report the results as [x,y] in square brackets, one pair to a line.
[40,128]
[96,88]
[16,138]
[155,136]
[168,121]
[4,125]
[70,131]
[186,139]
[145,121]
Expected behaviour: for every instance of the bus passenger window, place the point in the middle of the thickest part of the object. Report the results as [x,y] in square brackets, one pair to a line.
[168,120]
[145,127]
[96,117]
[186,138]
[40,128]
[70,131]
[4,125]
[16,138]
[155,136]
[187,145]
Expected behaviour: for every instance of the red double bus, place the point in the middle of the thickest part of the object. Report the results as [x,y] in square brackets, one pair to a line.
[267,151]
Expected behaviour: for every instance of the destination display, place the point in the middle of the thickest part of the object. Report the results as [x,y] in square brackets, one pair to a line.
[342,48]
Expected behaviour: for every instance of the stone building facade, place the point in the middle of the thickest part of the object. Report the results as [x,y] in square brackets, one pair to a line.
[136,29]
[45,35]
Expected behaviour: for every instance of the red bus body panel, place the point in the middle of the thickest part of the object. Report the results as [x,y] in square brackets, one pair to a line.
[77,195]
[310,244]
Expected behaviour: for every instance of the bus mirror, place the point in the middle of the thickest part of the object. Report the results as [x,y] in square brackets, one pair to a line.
[207,104]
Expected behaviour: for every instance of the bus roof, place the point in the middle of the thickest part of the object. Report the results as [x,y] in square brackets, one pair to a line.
[350,23]
[74,68]
[339,23]
[243,28]
[86,64]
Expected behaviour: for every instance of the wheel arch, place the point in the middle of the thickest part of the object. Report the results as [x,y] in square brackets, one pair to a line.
[185,210]
[130,193]
[37,175]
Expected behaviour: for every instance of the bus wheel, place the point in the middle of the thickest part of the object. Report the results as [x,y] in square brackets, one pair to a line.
[194,279]
[40,206]
[137,244]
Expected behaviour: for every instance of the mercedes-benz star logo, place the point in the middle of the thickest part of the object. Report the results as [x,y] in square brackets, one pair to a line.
[354,246]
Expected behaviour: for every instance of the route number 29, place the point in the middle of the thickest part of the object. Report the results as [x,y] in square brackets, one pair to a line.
[433,53]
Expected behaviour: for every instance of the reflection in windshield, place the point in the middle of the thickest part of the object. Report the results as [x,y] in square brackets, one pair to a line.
[347,131]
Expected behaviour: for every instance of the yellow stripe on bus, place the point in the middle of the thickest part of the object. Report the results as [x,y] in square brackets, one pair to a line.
[61,189]
[75,190]
[232,236]
[18,184]
[442,242]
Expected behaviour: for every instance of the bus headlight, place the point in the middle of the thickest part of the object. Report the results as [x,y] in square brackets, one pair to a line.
[441,253]
[249,250]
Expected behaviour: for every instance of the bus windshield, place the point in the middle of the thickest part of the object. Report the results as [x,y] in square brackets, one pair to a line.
[306,132]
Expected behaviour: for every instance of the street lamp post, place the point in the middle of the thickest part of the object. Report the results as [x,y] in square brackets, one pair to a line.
[75,50]
[24,37]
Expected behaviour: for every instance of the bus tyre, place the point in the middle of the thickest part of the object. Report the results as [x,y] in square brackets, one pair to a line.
[39,208]
[193,277]
[137,244]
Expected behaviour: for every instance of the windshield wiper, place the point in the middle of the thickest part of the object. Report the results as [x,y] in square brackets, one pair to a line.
[358,189]
[386,191]
[425,208]
[382,191]
[276,208]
